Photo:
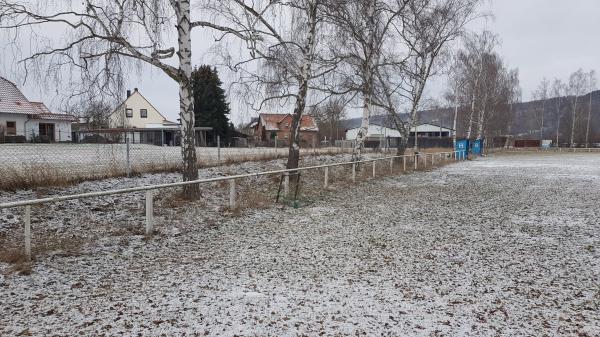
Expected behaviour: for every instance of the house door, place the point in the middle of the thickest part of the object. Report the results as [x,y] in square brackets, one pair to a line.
[47,132]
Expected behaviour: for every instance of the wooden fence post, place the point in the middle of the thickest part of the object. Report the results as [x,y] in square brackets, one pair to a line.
[232,194]
[27,219]
[149,213]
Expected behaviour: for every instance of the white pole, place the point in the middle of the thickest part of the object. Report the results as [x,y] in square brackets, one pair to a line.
[374,164]
[218,149]
[232,194]
[149,213]
[28,232]
[392,165]
[404,164]
[276,149]
[127,156]
[286,183]
[353,172]
[326,183]
[416,161]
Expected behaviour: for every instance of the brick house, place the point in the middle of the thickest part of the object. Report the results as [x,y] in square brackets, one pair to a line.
[270,126]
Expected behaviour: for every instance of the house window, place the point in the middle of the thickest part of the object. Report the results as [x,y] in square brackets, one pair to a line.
[143,113]
[128,113]
[11,128]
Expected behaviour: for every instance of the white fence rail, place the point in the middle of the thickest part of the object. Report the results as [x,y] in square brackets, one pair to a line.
[440,156]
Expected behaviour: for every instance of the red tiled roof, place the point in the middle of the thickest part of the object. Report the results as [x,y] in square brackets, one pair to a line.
[12,101]
[56,117]
[271,122]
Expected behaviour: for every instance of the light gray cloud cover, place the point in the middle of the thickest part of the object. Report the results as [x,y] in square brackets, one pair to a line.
[543,38]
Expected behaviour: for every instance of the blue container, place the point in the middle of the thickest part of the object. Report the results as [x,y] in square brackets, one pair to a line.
[462,146]
[477,147]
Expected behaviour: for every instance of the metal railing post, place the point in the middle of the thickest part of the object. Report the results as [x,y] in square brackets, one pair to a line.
[392,165]
[27,219]
[353,172]
[128,157]
[326,182]
[374,164]
[218,149]
[149,212]
[416,161]
[404,163]
[232,194]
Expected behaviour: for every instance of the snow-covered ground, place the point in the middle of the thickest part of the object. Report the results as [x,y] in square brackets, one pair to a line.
[507,245]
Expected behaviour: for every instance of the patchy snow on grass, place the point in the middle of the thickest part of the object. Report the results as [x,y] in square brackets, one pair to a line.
[507,245]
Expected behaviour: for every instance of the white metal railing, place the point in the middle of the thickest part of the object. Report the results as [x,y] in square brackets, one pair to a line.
[443,156]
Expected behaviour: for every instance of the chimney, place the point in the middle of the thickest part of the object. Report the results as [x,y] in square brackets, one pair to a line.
[128,93]
[135,89]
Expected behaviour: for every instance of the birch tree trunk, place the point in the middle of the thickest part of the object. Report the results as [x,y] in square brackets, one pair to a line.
[574,115]
[364,125]
[587,129]
[454,124]
[186,99]
[542,121]
[294,149]
[472,114]
[557,119]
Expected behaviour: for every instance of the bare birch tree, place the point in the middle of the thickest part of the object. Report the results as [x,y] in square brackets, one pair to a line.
[102,36]
[282,58]
[427,27]
[576,88]
[558,91]
[591,87]
[541,95]
[362,34]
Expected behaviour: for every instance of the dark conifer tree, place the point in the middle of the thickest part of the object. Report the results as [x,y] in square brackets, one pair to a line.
[210,103]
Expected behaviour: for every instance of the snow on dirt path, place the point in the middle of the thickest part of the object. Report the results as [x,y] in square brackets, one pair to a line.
[507,246]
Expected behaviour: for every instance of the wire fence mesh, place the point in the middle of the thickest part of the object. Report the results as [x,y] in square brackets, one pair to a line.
[26,165]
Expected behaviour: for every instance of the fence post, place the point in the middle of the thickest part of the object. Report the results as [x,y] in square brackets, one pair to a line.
[416,161]
[433,159]
[218,149]
[149,212]
[374,164]
[425,160]
[232,194]
[404,163]
[353,172]
[326,183]
[27,219]
[128,156]
[286,183]
[276,150]
[392,165]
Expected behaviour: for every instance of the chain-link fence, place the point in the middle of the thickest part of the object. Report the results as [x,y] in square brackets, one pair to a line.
[26,165]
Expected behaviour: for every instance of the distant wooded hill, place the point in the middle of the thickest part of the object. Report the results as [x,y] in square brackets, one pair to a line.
[525,122]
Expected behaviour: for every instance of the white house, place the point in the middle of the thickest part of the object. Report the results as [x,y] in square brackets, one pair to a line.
[22,120]
[136,112]
[377,132]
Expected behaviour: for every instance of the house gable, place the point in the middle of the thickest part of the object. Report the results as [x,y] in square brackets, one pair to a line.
[137,103]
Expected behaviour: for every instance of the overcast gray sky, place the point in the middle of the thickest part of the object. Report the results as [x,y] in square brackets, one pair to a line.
[543,38]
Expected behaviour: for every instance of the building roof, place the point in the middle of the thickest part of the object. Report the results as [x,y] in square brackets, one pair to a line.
[271,122]
[13,101]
